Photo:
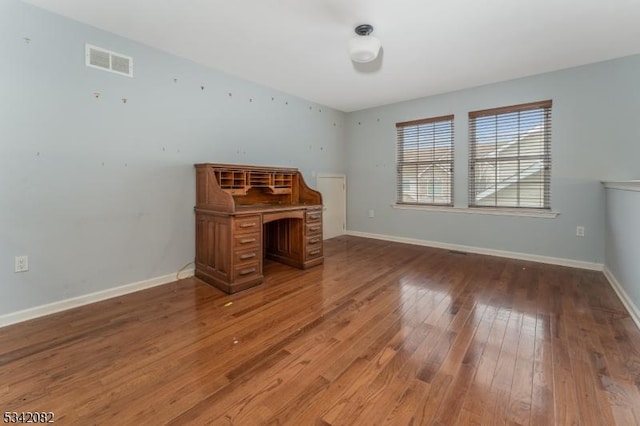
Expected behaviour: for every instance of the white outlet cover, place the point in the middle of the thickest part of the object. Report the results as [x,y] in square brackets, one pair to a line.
[22,264]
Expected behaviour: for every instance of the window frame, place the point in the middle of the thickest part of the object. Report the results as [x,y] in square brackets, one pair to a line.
[401,163]
[545,157]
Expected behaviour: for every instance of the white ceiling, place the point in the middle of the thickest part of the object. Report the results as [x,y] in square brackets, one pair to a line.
[429,47]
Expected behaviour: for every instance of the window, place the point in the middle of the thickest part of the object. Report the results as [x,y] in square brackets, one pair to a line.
[510,156]
[425,161]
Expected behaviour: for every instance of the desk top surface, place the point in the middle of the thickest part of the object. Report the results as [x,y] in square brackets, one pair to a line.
[268,208]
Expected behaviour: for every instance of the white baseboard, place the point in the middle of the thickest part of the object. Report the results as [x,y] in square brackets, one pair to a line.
[479,250]
[634,312]
[74,302]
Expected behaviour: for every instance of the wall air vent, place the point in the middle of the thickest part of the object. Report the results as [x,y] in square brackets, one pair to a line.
[106,60]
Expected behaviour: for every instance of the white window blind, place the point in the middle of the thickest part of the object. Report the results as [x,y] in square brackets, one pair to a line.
[510,156]
[425,161]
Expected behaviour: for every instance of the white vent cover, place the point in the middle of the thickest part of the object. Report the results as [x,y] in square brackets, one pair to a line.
[97,57]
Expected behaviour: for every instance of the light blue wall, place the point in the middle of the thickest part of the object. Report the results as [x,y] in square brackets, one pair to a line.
[623,240]
[99,193]
[595,137]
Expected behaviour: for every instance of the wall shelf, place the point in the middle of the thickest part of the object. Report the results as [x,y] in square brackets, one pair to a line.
[625,185]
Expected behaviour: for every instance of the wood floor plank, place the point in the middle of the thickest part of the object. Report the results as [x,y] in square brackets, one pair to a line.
[382,333]
[479,399]
[518,410]
[542,404]
[567,410]
[504,372]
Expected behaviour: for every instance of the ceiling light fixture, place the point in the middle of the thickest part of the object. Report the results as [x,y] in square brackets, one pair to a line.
[364,47]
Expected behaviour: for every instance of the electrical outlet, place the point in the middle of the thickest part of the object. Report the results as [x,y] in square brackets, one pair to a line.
[580,231]
[372,213]
[22,264]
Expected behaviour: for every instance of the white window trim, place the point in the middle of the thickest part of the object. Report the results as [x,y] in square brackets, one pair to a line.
[481,210]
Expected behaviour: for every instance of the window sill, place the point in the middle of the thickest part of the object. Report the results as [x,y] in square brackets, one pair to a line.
[475,210]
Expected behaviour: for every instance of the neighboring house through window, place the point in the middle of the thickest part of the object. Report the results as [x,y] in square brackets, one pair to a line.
[425,161]
[510,156]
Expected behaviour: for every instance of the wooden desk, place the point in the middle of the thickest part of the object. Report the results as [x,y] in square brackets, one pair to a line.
[247,213]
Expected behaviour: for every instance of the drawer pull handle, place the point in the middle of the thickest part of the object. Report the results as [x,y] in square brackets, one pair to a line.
[314,228]
[247,225]
[247,240]
[247,271]
[314,216]
[247,256]
[314,240]
[313,253]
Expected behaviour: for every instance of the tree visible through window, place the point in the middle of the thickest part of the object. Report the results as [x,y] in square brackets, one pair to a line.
[425,161]
[510,156]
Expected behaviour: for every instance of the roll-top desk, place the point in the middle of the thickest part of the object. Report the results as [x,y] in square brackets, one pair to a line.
[247,213]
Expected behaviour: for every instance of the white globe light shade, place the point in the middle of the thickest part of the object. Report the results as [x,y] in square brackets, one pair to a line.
[364,49]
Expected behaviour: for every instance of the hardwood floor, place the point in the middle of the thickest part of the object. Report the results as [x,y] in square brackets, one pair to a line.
[383,333]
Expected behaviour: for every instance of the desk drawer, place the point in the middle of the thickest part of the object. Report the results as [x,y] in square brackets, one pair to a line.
[245,241]
[313,241]
[314,216]
[248,271]
[313,252]
[314,229]
[244,224]
[240,257]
